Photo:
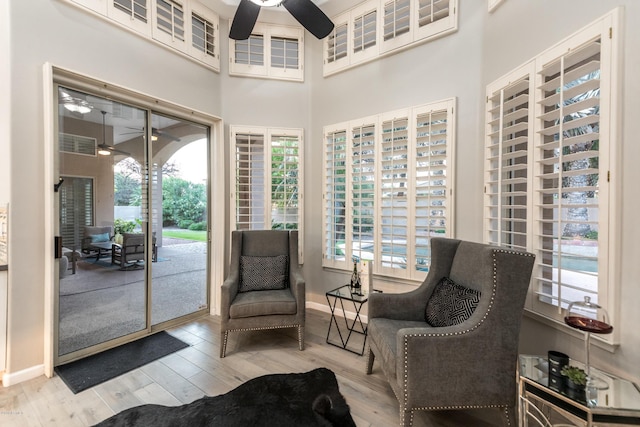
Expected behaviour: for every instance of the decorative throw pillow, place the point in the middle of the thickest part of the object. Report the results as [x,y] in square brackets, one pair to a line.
[262,273]
[98,238]
[450,303]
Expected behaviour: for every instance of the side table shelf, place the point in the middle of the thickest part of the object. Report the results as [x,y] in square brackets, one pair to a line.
[619,404]
[338,297]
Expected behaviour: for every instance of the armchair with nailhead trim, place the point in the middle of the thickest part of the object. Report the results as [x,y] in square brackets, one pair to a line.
[264,288]
[467,365]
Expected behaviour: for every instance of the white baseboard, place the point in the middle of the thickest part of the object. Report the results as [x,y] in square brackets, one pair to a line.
[9,379]
[325,308]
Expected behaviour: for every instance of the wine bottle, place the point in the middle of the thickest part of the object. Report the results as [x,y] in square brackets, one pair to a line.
[354,275]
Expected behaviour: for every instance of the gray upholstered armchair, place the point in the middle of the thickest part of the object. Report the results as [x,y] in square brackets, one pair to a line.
[264,288]
[468,360]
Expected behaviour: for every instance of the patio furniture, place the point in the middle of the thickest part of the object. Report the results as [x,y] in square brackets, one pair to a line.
[452,343]
[264,288]
[131,251]
[97,240]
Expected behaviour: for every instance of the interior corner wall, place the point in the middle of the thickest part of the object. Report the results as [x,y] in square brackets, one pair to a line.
[5,101]
[508,43]
[53,31]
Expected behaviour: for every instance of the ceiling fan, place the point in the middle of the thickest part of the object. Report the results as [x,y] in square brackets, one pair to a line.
[155,134]
[305,12]
[104,149]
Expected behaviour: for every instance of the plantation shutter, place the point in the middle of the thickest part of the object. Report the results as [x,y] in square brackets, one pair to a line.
[204,35]
[433,181]
[363,189]
[507,164]
[394,197]
[335,198]
[134,14]
[364,31]
[285,182]
[250,194]
[568,176]
[169,23]
[77,144]
[250,51]
[284,53]
[336,44]
[76,210]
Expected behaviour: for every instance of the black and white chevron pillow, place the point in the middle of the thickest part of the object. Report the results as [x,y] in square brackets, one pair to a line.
[450,304]
[263,273]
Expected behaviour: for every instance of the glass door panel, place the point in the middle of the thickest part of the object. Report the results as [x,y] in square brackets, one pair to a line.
[179,182]
[101,158]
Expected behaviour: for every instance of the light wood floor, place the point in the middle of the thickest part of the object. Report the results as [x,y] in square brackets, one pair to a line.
[197,370]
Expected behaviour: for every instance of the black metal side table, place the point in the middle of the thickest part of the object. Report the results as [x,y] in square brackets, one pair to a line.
[342,294]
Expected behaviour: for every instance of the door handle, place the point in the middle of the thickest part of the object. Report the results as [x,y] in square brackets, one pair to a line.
[58,246]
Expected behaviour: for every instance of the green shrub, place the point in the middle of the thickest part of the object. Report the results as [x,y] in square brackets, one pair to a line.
[198,226]
[185,223]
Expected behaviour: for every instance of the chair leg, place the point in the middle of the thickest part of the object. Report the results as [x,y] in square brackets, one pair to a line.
[509,415]
[223,343]
[301,337]
[370,358]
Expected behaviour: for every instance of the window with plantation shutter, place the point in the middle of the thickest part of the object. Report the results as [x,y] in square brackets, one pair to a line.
[394,189]
[134,14]
[376,28]
[205,37]
[185,26]
[388,189]
[433,207]
[363,189]
[267,180]
[508,160]
[335,197]
[568,175]
[76,209]
[169,23]
[272,51]
[550,166]
[77,144]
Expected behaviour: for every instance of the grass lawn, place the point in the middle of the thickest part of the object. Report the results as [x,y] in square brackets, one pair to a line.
[200,236]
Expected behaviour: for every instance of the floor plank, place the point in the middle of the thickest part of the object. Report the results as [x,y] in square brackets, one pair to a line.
[197,371]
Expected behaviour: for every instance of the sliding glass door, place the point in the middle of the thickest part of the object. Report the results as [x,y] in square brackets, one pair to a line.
[132,216]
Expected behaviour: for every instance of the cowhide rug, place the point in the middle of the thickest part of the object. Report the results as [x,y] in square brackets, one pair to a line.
[306,399]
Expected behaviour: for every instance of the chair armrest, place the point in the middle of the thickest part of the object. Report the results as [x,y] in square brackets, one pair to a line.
[228,292]
[404,306]
[298,287]
[474,368]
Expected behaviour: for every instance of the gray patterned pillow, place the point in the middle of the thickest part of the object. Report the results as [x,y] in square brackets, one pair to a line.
[450,304]
[261,273]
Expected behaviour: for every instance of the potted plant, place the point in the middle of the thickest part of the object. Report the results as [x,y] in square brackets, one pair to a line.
[576,378]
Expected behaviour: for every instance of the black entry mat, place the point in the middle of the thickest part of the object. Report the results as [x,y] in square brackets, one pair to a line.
[93,370]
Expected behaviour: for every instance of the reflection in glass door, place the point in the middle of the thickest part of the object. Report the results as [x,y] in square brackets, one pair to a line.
[114,175]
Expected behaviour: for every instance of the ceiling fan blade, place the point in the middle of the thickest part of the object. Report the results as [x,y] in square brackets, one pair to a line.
[113,149]
[310,16]
[244,20]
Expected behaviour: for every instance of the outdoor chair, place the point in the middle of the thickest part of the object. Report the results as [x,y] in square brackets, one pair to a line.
[452,343]
[264,288]
[96,240]
[131,251]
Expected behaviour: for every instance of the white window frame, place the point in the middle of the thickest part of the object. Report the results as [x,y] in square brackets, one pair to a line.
[266,70]
[340,160]
[414,36]
[608,30]
[172,39]
[268,135]
[106,10]
[333,62]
